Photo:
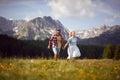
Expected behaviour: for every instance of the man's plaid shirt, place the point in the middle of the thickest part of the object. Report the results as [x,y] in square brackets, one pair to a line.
[53,40]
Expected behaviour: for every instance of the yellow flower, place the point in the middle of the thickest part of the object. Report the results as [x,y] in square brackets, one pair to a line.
[2,66]
[61,70]
[116,65]
[11,65]
[82,73]
[32,61]
[45,66]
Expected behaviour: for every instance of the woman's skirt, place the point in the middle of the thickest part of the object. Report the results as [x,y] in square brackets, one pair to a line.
[73,52]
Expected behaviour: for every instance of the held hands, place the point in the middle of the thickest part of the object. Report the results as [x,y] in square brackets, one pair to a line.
[63,47]
[48,47]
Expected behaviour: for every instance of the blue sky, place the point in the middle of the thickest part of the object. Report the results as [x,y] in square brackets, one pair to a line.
[74,14]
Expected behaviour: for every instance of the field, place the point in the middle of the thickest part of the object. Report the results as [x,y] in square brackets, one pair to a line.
[39,69]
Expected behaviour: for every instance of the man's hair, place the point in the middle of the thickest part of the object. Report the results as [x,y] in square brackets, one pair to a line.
[58,29]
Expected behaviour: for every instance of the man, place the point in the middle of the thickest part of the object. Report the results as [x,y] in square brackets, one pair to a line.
[56,41]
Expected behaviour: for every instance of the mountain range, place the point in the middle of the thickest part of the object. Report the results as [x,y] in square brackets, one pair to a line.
[105,35]
[41,28]
[91,33]
[35,29]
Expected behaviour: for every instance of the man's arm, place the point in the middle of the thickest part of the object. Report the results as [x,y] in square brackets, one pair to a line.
[50,41]
[62,41]
[48,45]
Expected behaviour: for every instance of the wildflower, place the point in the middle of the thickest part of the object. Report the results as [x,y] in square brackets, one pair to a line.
[45,66]
[82,73]
[31,61]
[2,66]
[62,70]
[116,66]
[11,65]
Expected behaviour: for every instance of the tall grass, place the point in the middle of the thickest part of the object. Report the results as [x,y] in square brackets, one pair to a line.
[37,69]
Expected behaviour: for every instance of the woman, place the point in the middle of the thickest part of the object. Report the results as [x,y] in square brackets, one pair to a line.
[73,51]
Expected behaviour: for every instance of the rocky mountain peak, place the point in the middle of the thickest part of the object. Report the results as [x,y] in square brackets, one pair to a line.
[40,28]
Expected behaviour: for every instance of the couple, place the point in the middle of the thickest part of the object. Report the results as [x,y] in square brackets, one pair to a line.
[56,41]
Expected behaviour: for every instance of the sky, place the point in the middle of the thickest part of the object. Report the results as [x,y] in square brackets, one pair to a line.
[73,14]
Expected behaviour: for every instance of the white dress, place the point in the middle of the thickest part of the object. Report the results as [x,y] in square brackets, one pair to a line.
[73,50]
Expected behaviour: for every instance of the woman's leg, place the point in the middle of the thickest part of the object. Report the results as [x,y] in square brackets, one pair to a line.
[69,51]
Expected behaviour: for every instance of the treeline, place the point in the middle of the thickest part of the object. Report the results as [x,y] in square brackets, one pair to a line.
[12,47]
[111,52]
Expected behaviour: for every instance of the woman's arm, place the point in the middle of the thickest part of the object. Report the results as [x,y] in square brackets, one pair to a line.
[66,45]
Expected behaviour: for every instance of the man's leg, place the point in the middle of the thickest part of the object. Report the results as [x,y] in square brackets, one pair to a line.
[55,53]
[56,56]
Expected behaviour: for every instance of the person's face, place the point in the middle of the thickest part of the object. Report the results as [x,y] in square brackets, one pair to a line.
[73,33]
[58,32]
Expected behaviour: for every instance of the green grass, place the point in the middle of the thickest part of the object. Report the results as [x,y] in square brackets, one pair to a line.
[38,69]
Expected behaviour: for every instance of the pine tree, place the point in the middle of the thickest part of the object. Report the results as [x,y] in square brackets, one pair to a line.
[107,53]
[117,52]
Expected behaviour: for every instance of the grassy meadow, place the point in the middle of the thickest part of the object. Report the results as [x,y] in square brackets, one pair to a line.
[39,69]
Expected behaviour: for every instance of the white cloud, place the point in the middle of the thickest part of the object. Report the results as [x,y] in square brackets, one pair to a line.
[72,8]
[82,9]
[107,8]
[109,20]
